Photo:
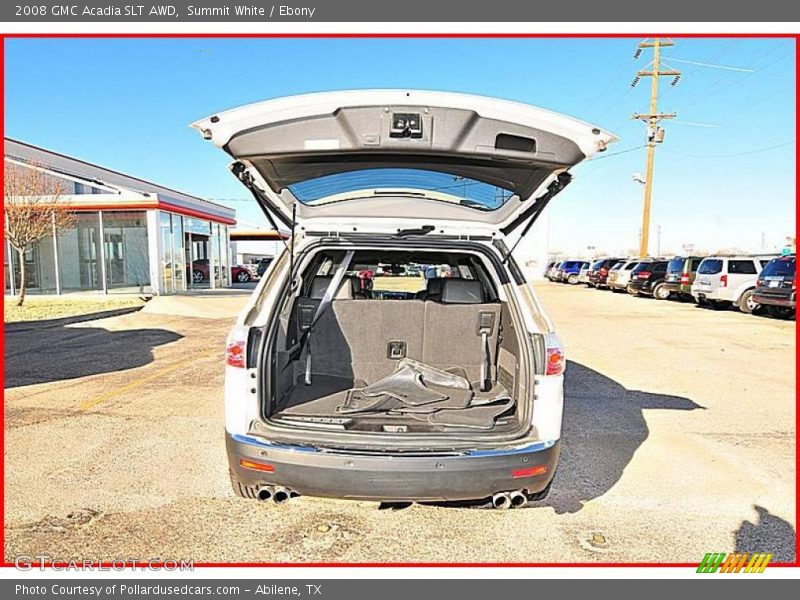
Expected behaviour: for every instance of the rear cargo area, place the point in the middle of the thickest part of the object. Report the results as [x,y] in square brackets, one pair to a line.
[439,358]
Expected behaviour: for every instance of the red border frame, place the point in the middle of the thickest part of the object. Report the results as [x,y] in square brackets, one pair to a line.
[795,36]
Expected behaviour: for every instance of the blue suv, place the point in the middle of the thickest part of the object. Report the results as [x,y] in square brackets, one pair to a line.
[569,270]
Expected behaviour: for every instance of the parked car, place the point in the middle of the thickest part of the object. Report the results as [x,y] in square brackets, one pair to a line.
[647,278]
[569,270]
[553,274]
[241,273]
[550,271]
[776,287]
[583,276]
[296,419]
[723,281]
[598,273]
[681,273]
[263,265]
[620,274]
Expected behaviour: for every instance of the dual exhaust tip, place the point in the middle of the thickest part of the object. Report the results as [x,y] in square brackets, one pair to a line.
[276,494]
[506,500]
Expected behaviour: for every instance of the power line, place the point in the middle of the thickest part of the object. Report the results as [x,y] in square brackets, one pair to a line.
[734,154]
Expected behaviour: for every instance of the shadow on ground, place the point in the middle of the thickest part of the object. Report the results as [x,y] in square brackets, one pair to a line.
[54,352]
[604,425]
[768,534]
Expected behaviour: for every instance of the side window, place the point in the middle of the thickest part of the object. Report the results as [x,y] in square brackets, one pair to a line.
[695,263]
[742,267]
[660,268]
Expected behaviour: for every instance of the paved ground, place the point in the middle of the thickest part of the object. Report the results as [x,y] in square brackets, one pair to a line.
[679,440]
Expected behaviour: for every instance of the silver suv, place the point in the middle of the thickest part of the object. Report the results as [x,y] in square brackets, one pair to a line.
[723,281]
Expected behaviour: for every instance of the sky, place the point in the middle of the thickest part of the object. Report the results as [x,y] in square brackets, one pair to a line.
[724,176]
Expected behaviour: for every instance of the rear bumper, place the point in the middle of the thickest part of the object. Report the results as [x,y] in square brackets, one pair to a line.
[392,477]
[677,288]
[788,300]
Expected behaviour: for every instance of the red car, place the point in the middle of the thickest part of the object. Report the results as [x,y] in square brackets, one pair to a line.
[200,272]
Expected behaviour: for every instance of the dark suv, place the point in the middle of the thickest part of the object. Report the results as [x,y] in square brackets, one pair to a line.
[776,290]
[681,272]
[648,278]
[598,272]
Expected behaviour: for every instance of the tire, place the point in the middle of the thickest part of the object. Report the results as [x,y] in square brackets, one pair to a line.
[572,279]
[197,276]
[243,277]
[242,490]
[631,291]
[660,292]
[746,303]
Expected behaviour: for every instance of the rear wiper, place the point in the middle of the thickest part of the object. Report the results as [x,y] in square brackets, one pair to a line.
[415,231]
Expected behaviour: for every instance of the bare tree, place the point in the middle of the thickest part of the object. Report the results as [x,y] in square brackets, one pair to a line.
[33,209]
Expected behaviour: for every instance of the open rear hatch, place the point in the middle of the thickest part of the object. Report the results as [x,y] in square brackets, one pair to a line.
[389,156]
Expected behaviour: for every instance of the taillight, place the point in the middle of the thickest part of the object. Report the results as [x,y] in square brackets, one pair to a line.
[723,281]
[643,274]
[556,361]
[235,348]
[684,279]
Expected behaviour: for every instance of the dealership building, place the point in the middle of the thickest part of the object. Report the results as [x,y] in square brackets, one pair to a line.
[128,236]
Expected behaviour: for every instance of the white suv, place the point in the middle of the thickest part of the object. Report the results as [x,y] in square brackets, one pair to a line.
[437,378]
[728,280]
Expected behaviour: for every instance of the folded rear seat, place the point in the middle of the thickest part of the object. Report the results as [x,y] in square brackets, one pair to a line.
[461,329]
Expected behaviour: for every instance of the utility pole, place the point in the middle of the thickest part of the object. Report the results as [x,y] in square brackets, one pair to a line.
[655,135]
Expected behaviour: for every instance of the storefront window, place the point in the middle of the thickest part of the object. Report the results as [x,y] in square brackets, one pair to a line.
[6,269]
[127,257]
[224,251]
[178,250]
[198,242]
[167,263]
[79,254]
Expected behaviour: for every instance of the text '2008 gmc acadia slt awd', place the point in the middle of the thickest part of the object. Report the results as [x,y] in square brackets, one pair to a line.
[394,351]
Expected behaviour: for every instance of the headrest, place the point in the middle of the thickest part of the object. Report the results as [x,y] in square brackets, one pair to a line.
[461,291]
[320,285]
[434,285]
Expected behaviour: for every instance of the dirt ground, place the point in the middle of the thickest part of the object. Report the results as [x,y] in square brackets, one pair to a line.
[679,439]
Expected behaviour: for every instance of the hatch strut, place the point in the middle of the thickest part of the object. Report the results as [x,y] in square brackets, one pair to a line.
[243,175]
[533,211]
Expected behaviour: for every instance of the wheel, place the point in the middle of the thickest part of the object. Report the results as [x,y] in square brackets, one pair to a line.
[632,291]
[243,277]
[746,303]
[660,292]
[197,276]
[572,279]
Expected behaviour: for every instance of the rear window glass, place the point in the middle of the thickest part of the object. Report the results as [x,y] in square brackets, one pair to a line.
[630,266]
[370,182]
[779,267]
[617,266]
[598,264]
[710,266]
[642,266]
[675,265]
[742,267]
[661,267]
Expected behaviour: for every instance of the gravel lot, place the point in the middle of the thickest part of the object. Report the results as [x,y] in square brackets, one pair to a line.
[679,440]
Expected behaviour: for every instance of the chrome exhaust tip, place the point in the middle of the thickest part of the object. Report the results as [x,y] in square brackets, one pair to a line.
[265,493]
[280,495]
[501,501]
[518,499]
